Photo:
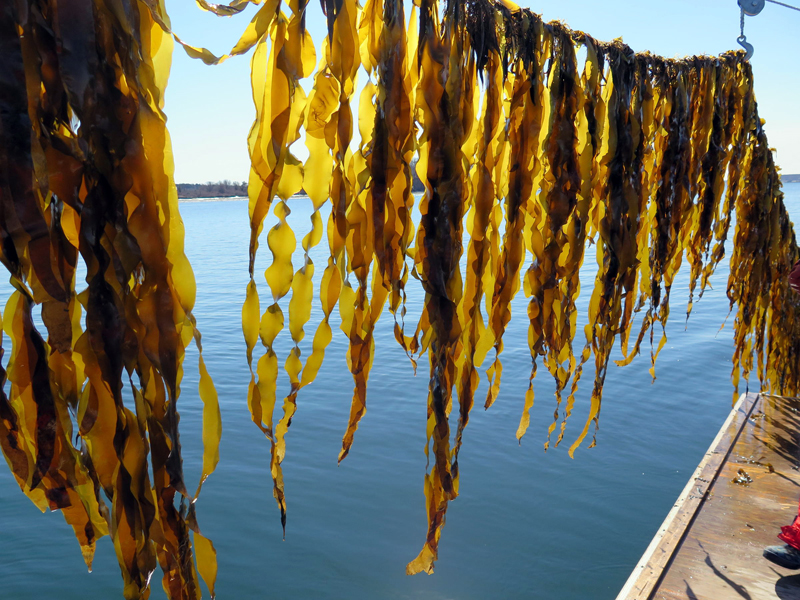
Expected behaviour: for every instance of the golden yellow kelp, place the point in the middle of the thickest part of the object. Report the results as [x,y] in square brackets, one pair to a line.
[534,142]
[86,175]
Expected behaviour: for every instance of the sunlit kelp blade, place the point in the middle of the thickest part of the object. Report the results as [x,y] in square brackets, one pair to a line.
[538,157]
[536,146]
[86,175]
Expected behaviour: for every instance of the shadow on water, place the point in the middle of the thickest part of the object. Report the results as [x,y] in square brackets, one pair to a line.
[788,588]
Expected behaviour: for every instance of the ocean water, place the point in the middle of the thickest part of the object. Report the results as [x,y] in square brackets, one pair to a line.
[527,524]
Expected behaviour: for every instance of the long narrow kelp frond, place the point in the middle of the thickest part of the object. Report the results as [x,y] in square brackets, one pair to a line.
[86,174]
[536,146]
[445,104]
[529,154]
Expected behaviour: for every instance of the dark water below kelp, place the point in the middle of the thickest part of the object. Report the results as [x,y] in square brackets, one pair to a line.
[527,524]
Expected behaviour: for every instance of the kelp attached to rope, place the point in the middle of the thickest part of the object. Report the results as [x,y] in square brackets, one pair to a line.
[532,156]
[536,145]
[86,176]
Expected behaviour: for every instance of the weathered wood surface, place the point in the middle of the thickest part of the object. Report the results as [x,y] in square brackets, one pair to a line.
[709,546]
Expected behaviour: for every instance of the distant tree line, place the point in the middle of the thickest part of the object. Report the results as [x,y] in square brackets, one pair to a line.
[229,189]
[218,189]
[416,184]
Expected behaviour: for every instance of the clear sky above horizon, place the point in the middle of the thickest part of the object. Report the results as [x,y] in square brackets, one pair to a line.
[210,109]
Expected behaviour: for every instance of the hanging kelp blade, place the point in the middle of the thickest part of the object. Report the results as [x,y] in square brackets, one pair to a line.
[535,144]
[86,176]
[536,156]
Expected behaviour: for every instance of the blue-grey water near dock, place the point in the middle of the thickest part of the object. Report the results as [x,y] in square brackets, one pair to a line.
[527,524]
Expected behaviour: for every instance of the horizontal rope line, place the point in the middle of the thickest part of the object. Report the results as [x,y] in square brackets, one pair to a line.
[784,5]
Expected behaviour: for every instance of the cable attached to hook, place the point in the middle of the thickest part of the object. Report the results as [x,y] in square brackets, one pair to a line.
[751,8]
[747,6]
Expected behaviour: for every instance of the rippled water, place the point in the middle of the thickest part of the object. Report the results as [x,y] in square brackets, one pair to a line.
[526,525]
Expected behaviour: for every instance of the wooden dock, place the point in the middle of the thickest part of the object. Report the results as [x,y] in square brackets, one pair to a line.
[709,546]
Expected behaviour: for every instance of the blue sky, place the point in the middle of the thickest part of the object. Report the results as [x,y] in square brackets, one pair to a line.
[210,109]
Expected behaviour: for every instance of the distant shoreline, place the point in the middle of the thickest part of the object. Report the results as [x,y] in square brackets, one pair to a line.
[228,198]
[791,178]
[213,199]
[235,190]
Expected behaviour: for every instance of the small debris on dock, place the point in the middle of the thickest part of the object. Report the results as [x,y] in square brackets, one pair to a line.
[742,478]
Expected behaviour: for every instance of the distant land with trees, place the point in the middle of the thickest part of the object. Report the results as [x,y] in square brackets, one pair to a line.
[218,189]
[234,189]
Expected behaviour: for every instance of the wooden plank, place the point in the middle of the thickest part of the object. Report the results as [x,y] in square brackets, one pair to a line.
[710,545]
[720,555]
[648,572]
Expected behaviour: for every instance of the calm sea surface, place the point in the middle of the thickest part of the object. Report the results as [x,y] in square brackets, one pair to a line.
[527,524]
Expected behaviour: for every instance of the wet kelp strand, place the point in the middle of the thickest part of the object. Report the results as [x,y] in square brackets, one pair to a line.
[537,145]
[533,157]
[86,175]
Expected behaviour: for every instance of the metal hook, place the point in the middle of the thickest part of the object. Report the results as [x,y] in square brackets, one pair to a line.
[749,50]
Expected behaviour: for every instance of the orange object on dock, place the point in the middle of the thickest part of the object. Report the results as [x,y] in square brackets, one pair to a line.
[746,487]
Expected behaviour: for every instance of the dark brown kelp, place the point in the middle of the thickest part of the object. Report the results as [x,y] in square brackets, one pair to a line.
[86,174]
[446,102]
[537,145]
[536,157]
